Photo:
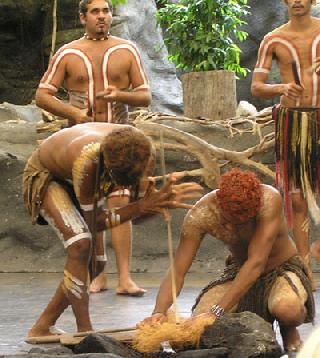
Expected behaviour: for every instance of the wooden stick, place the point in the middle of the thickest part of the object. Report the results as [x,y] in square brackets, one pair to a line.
[56,338]
[170,241]
[119,336]
[54,29]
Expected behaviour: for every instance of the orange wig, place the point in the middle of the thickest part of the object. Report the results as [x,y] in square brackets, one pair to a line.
[239,194]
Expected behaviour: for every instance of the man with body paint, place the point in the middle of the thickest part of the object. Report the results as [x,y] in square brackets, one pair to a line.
[65,182]
[295,46]
[103,74]
[264,273]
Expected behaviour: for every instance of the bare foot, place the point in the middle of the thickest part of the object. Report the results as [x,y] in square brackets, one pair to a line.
[39,331]
[291,339]
[130,289]
[99,283]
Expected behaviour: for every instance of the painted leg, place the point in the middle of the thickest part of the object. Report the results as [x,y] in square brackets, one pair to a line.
[289,310]
[75,282]
[100,283]
[60,212]
[51,313]
[121,237]
[301,230]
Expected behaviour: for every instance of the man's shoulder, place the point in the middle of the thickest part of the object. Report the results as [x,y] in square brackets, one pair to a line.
[281,30]
[270,190]
[73,45]
[120,41]
[271,200]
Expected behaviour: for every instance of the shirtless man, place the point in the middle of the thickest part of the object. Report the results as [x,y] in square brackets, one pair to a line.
[103,75]
[264,274]
[295,48]
[65,181]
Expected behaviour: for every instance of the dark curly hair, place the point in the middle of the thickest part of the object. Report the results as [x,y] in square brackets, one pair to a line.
[83,5]
[126,152]
[239,194]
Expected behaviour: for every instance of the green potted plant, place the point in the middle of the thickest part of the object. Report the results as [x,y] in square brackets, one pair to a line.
[201,37]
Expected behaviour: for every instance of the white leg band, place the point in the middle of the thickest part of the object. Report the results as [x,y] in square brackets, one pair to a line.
[72,240]
[101,258]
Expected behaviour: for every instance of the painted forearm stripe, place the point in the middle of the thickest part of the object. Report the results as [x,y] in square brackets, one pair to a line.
[261,70]
[140,88]
[89,207]
[121,192]
[49,87]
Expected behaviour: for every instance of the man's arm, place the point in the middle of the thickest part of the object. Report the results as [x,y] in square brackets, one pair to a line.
[188,246]
[261,89]
[170,196]
[140,94]
[259,86]
[49,85]
[259,250]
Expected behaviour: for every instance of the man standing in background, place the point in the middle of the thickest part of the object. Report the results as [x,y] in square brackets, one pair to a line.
[295,47]
[103,74]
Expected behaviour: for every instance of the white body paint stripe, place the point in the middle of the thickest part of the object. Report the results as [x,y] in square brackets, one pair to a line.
[261,70]
[121,192]
[315,80]
[289,46]
[72,240]
[89,207]
[105,63]
[49,87]
[88,65]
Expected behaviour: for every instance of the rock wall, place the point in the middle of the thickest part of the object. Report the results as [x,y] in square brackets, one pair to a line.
[25,39]
[25,42]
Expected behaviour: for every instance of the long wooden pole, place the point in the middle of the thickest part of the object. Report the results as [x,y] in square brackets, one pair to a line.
[56,338]
[170,240]
[54,29]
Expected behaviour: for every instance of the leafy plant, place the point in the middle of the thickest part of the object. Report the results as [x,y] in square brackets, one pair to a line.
[118,2]
[202,35]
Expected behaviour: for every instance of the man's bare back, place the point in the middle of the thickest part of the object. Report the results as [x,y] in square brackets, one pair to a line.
[58,152]
[207,217]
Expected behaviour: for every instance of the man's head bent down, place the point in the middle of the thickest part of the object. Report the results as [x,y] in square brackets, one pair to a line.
[239,195]
[126,153]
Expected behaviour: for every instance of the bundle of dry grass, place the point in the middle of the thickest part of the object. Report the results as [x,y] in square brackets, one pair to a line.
[184,334]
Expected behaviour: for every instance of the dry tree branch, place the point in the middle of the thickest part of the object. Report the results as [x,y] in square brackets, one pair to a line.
[211,157]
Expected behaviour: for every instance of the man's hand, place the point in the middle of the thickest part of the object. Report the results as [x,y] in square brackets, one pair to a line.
[111,94]
[170,196]
[83,116]
[154,319]
[292,90]
[208,318]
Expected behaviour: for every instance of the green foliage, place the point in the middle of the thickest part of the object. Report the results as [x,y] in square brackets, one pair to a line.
[201,35]
[118,2]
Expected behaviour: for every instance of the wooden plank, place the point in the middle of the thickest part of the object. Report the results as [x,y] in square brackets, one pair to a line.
[125,337]
[56,338]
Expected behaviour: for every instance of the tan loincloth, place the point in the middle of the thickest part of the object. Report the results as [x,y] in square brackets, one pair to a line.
[256,299]
[120,112]
[35,181]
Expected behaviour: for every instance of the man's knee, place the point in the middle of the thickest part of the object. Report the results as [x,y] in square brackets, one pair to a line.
[289,310]
[80,250]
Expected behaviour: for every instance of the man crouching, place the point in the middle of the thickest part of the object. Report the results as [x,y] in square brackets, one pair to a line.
[65,184]
[264,273]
